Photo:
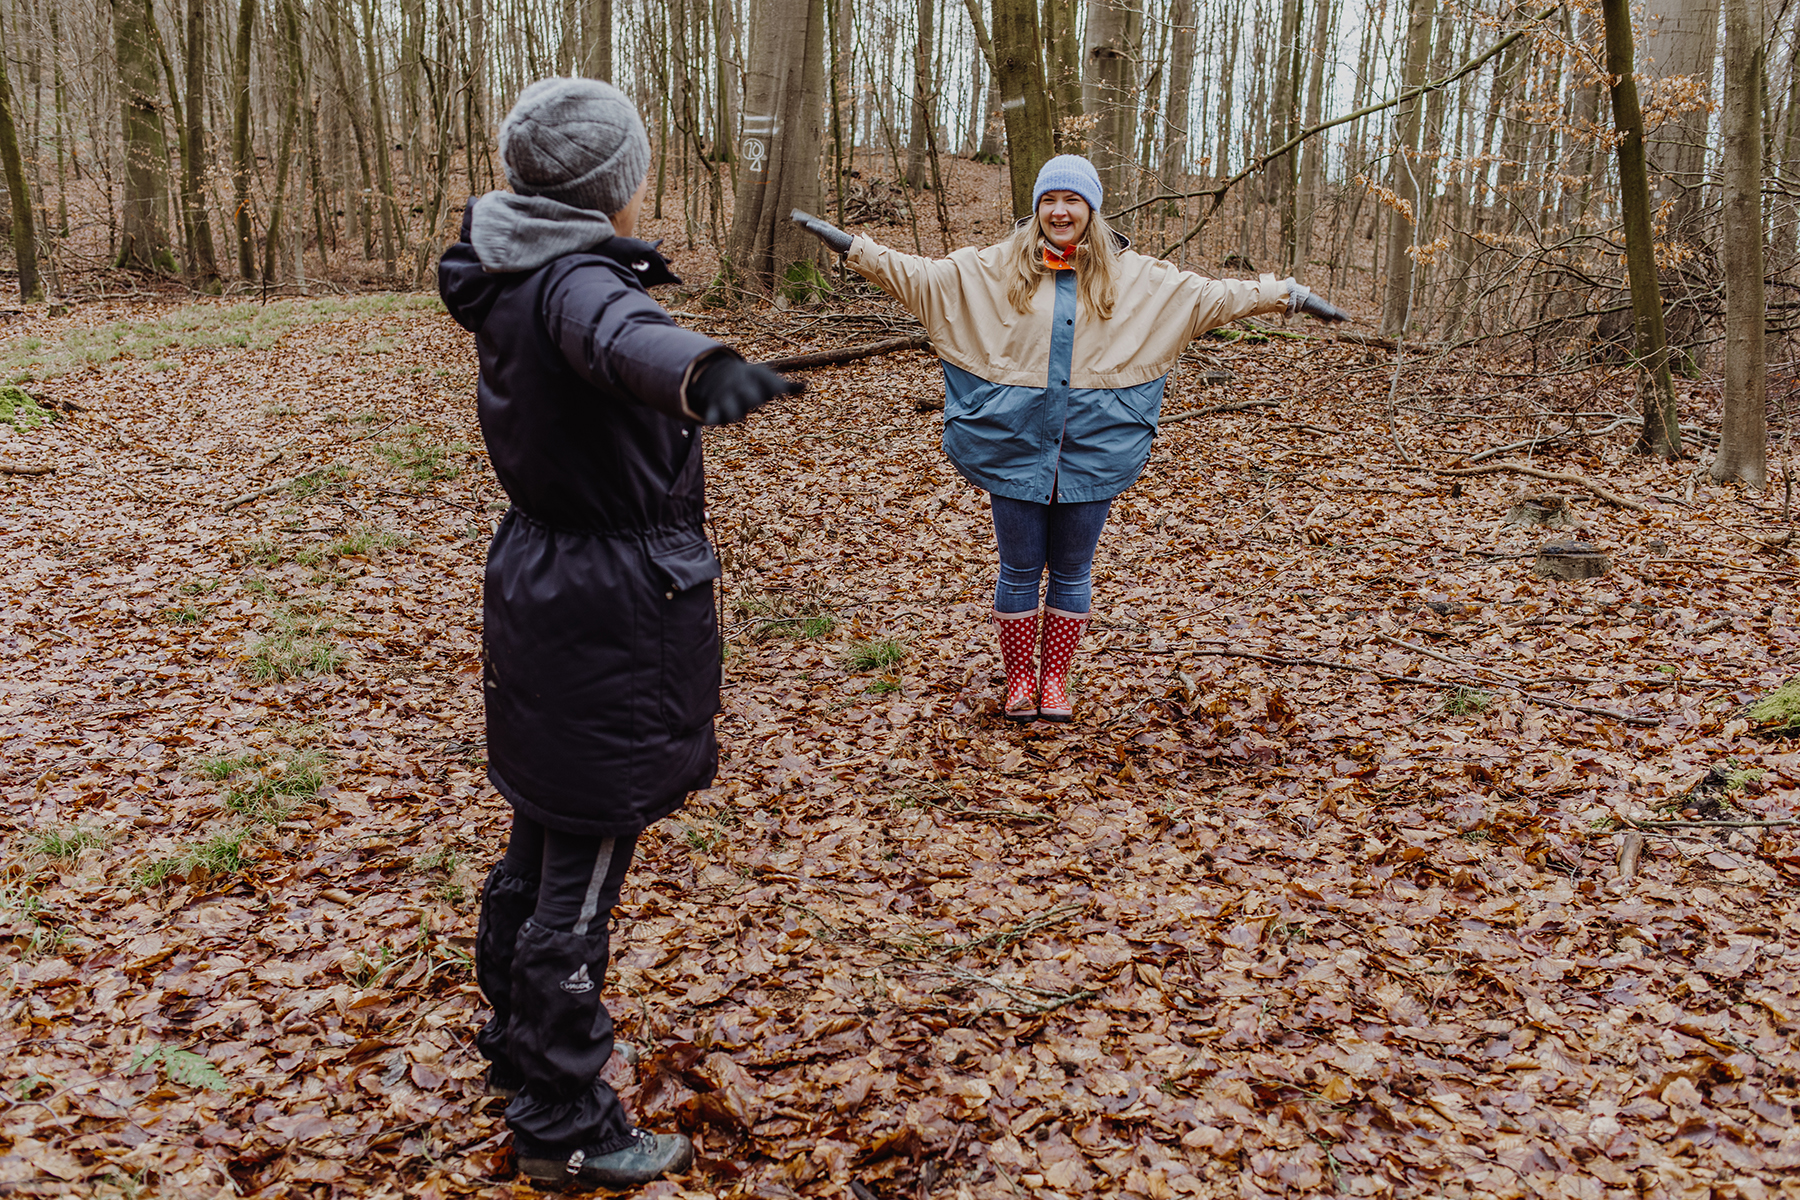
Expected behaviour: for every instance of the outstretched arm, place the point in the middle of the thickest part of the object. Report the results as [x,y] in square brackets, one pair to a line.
[908,278]
[621,340]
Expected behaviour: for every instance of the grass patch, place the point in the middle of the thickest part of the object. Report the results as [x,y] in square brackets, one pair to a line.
[874,654]
[67,841]
[314,482]
[1464,701]
[17,898]
[270,793]
[420,460]
[185,614]
[221,854]
[224,766]
[19,409]
[365,541]
[443,863]
[154,874]
[359,541]
[151,342]
[299,647]
[260,552]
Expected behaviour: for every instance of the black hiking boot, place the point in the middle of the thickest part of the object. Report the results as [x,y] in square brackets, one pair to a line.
[650,1156]
[504,1079]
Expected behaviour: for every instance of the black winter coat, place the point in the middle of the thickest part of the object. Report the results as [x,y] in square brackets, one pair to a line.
[600,649]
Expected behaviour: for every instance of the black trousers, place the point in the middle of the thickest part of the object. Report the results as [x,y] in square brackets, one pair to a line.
[540,958]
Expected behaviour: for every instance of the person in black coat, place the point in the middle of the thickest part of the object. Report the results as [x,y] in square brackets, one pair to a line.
[600,650]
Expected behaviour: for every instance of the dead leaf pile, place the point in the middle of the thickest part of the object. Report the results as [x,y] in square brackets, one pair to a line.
[1319,894]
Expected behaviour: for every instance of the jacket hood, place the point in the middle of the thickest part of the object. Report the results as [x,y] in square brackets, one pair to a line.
[522,233]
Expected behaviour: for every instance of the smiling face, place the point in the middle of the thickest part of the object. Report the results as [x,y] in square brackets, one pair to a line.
[1063,216]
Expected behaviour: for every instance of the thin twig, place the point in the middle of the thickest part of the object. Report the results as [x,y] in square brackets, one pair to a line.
[1533,443]
[1239,406]
[1652,826]
[1554,476]
[256,495]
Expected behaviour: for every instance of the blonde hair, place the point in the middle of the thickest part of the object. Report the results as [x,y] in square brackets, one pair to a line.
[1096,266]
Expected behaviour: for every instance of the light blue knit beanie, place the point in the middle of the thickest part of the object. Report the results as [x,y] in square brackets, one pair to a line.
[1069,173]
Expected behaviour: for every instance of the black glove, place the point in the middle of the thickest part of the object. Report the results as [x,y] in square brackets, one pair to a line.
[1302,300]
[825,231]
[729,389]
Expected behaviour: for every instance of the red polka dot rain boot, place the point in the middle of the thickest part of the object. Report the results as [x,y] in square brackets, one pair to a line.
[1018,640]
[1062,630]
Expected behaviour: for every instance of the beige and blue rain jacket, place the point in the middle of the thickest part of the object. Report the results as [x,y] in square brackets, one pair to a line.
[1056,404]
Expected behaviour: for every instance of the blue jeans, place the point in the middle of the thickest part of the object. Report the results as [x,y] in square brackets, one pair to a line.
[1033,536]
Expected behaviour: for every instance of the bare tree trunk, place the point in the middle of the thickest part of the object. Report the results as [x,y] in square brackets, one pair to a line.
[243,155]
[922,107]
[24,229]
[1019,68]
[596,39]
[836,82]
[1062,75]
[146,241]
[1685,47]
[1285,122]
[1743,433]
[1221,166]
[971,143]
[1312,165]
[1396,303]
[784,95]
[1177,148]
[393,239]
[193,184]
[289,32]
[1662,426]
[1109,93]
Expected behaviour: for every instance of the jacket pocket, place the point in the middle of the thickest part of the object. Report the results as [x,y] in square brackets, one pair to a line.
[688,688]
[1142,404]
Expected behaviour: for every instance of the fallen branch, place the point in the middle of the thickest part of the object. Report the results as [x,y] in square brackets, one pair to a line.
[1238,406]
[247,497]
[7,468]
[828,358]
[1533,443]
[1580,481]
[1655,825]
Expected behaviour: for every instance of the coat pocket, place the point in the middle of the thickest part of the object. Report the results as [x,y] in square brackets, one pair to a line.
[684,566]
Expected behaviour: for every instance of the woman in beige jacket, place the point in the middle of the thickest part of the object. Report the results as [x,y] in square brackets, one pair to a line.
[1056,344]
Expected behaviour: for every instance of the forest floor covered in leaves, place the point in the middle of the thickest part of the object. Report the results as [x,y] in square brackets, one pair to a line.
[1321,893]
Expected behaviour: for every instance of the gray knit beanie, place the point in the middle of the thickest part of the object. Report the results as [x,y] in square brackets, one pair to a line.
[579,141]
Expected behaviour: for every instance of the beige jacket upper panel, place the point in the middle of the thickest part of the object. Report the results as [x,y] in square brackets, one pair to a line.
[961,300]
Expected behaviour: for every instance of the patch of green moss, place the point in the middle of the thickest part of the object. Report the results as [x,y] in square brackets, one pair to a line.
[18,408]
[803,281]
[1778,713]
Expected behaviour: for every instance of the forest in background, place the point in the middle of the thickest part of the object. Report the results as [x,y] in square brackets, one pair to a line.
[1376,864]
[296,144]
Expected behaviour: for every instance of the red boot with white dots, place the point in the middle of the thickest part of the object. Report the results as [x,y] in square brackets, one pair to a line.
[1018,642]
[1062,631]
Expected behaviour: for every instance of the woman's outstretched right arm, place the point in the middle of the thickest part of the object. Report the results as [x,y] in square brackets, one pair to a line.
[912,279]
